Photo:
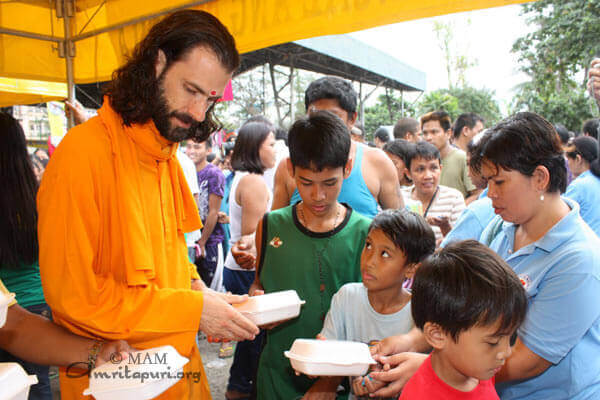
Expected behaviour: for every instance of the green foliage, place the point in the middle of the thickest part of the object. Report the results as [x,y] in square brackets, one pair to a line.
[458,100]
[387,111]
[556,57]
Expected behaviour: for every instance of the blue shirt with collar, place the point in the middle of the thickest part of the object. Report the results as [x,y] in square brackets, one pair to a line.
[472,221]
[561,274]
[585,190]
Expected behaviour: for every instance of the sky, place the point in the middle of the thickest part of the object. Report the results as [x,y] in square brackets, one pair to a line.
[486,36]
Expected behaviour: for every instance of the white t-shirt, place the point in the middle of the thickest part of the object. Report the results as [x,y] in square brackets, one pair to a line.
[191,177]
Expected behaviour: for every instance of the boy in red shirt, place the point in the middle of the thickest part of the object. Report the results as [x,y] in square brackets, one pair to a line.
[468,302]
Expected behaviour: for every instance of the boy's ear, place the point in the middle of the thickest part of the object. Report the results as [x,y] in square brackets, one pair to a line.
[290,167]
[348,168]
[410,269]
[435,335]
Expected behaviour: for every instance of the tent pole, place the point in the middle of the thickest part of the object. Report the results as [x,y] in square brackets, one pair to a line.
[69,52]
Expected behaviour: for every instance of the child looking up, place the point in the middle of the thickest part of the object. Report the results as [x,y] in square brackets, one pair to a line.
[468,302]
[313,247]
[397,243]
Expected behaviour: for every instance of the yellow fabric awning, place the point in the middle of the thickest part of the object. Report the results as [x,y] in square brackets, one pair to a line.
[254,23]
[22,91]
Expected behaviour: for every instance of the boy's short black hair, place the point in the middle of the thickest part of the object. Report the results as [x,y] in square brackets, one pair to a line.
[319,140]
[409,232]
[426,151]
[332,87]
[466,284]
[467,119]
[400,148]
[590,127]
[405,126]
[382,134]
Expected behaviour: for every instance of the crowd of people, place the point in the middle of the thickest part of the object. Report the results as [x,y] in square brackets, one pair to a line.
[467,258]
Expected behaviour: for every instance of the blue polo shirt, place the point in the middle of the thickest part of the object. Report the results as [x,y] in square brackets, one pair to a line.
[585,190]
[561,274]
[472,221]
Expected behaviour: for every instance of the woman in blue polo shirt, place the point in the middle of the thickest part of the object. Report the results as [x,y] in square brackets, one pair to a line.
[555,254]
[585,188]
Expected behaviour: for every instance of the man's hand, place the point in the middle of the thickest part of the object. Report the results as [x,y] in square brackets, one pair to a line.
[244,255]
[221,321]
[222,217]
[397,370]
[594,79]
[79,114]
[201,249]
[363,385]
[114,351]
[198,284]
[443,222]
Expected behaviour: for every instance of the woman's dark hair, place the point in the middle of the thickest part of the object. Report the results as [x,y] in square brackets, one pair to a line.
[409,232]
[319,140]
[134,89]
[522,142]
[400,148]
[562,132]
[467,284]
[585,146]
[18,213]
[424,150]
[246,151]
[332,87]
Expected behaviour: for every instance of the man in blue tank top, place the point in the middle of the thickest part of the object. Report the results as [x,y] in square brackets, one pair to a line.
[373,181]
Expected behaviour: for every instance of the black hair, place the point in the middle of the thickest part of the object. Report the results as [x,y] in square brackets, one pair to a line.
[590,127]
[522,142]
[332,87]
[563,133]
[441,116]
[585,146]
[320,140]
[466,284]
[400,148]
[259,118]
[18,212]
[211,157]
[134,88]
[409,231]
[404,126]
[426,151]
[467,119]
[246,151]
[226,148]
[281,134]
[382,134]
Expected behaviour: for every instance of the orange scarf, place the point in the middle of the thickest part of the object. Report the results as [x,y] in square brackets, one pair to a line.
[125,141]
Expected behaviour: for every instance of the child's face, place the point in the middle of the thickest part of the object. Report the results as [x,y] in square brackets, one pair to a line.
[382,264]
[479,352]
[319,190]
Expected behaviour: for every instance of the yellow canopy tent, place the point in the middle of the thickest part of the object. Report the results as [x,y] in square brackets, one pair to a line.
[25,91]
[83,41]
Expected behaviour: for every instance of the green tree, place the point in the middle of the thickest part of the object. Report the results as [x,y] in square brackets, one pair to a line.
[556,57]
[458,100]
[387,111]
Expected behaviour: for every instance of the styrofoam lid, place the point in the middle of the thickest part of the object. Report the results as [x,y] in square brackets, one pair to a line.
[13,379]
[268,302]
[6,299]
[137,370]
[330,352]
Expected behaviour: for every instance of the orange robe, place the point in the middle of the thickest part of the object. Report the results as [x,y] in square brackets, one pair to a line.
[113,259]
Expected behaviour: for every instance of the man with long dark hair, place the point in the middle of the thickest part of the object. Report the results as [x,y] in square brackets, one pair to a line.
[114,205]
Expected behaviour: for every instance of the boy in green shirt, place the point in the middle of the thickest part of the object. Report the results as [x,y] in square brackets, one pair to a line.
[313,247]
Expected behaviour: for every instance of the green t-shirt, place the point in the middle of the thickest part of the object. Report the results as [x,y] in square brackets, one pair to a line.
[455,172]
[314,264]
[25,282]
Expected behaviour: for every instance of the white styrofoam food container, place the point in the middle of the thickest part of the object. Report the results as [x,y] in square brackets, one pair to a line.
[142,375]
[272,307]
[5,300]
[14,382]
[329,357]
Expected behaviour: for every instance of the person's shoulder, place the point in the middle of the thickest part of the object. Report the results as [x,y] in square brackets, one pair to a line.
[375,156]
[457,155]
[448,192]
[357,220]
[351,290]
[215,171]
[85,143]
[253,180]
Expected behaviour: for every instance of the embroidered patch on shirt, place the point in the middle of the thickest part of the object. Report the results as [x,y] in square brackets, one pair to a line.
[525,281]
[276,242]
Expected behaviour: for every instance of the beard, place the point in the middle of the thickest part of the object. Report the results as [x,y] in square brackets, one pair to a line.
[162,119]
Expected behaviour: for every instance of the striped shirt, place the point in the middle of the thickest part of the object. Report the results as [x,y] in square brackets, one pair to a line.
[448,202]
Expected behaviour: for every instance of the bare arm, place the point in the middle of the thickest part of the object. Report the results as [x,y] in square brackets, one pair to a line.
[38,340]
[214,204]
[283,187]
[522,364]
[253,196]
[389,189]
